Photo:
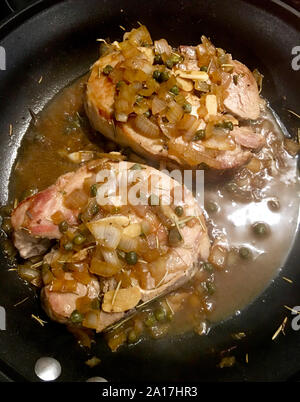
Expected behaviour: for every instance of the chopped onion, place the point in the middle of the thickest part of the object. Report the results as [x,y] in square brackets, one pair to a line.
[27,273]
[103,268]
[174,112]
[218,256]
[158,105]
[111,257]
[117,220]
[76,199]
[91,319]
[107,234]
[128,243]
[161,46]
[133,230]
[146,127]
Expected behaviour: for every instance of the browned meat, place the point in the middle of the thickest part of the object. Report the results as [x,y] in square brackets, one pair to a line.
[243,97]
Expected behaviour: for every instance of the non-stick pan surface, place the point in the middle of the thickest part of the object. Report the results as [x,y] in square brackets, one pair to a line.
[58,43]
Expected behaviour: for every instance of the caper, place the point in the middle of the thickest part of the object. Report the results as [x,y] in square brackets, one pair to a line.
[199,135]
[131,258]
[164,76]
[274,205]
[179,210]
[212,207]
[93,190]
[79,239]
[63,226]
[139,99]
[210,287]
[187,107]
[174,90]
[68,246]
[150,321]
[153,200]
[132,336]
[156,75]
[260,229]
[160,314]
[76,317]
[148,113]
[228,125]
[107,69]
[173,59]
[158,59]
[245,253]
[231,187]
[235,79]
[207,266]
[203,68]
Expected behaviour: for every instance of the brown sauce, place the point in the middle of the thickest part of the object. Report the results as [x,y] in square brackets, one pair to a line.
[61,128]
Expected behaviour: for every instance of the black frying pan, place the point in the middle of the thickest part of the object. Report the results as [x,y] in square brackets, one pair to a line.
[56,39]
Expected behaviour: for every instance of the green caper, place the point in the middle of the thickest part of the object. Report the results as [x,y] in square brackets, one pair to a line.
[203,68]
[156,75]
[79,239]
[228,125]
[63,226]
[131,258]
[160,314]
[68,246]
[212,207]
[174,237]
[93,190]
[231,187]
[207,266]
[148,113]
[260,229]
[173,59]
[235,79]
[150,321]
[107,69]
[174,90]
[139,99]
[153,200]
[245,253]
[274,205]
[76,317]
[179,210]
[187,107]
[199,135]
[164,76]
[210,287]
[132,336]
[158,59]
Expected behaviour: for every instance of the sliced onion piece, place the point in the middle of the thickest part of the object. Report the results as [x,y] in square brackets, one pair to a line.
[103,268]
[91,319]
[111,257]
[122,300]
[161,46]
[146,127]
[174,112]
[107,234]
[128,243]
[158,105]
[133,230]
